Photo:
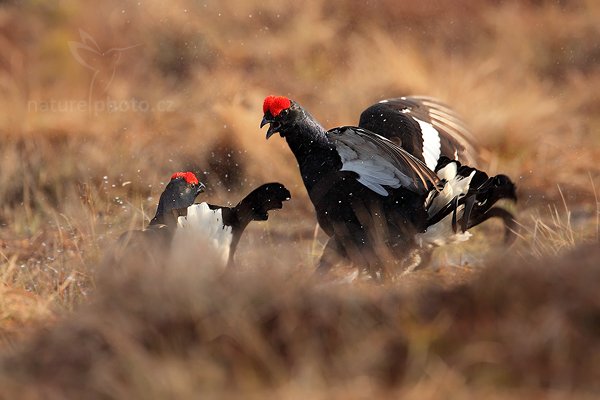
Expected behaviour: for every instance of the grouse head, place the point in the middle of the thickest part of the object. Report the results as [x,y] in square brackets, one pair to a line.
[281,113]
[179,194]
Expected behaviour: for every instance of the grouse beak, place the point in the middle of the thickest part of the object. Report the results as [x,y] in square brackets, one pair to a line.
[273,127]
[201,188]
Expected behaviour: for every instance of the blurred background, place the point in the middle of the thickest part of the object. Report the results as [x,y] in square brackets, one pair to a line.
[101,101]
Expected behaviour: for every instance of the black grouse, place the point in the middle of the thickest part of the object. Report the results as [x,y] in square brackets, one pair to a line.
[178,218]
[370,194]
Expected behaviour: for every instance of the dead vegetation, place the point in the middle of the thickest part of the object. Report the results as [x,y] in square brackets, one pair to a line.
[177,332]
[85,156]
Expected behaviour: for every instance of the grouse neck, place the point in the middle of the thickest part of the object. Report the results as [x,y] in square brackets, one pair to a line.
[165,213]
[317,157]
[159,218]
[306,137]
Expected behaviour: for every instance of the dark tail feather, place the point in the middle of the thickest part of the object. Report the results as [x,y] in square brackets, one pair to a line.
[256,205]
[479,205]
[483,193]
[510,223]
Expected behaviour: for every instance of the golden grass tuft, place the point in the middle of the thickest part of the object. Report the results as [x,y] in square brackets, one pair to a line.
[176,331]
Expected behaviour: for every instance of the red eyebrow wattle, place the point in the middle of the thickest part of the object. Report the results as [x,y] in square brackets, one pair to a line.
[275,104]
[189,177]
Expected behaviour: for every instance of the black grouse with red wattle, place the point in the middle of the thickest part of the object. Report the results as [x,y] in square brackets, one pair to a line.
[370,194]
[179,218]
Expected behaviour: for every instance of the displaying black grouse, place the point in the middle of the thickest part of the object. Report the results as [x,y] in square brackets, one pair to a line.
[178,218]
[370,194]
[424,127]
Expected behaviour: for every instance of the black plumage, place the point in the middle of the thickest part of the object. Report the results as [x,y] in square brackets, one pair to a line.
[254,207]
[178,214]
[422,126]
[480,199]
[369,194]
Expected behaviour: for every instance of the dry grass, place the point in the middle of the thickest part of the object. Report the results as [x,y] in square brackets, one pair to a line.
[526,77]
[178,331]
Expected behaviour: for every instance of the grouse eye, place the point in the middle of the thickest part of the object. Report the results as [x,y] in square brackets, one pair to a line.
[284,112]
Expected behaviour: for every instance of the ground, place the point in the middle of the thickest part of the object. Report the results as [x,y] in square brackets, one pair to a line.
[102,102]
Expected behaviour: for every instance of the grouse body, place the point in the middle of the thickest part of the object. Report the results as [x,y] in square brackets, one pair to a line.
[370,194]
[179,219]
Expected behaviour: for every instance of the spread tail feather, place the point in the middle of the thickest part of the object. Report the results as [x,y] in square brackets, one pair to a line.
[254,207]
[466,200]
[203,224]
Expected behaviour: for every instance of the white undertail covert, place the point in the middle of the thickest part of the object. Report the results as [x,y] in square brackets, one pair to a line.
[203,225]
[442,233]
